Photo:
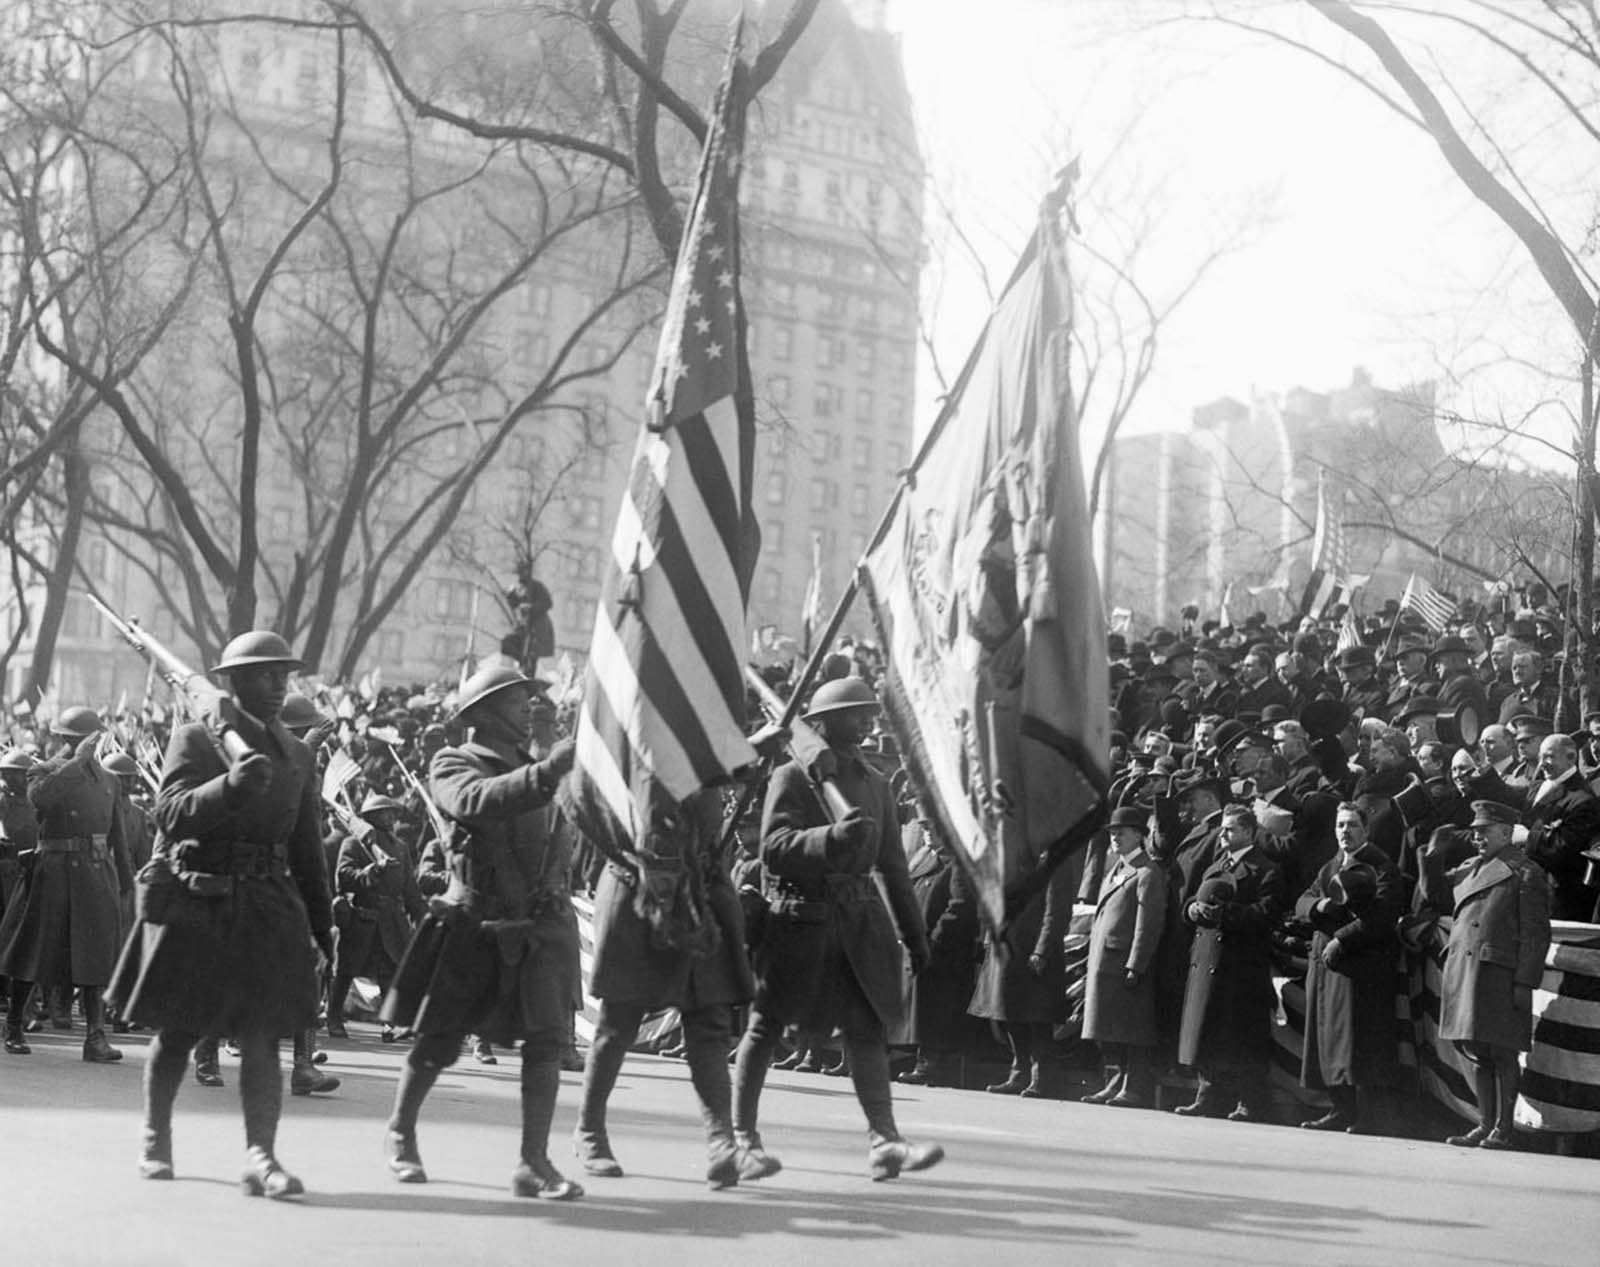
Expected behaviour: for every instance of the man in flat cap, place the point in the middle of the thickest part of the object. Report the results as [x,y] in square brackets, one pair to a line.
[1494,960]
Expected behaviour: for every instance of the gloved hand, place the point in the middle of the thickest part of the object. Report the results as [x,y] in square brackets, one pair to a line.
[854,831]
[250,774]
[562,754]
[919,954]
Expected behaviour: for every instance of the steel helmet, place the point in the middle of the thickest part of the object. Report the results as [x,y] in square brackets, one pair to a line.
[299,713]
[76,723]
[259,646]
[15,759]
[840,694]
[375,802]
[486,682]
[119,763]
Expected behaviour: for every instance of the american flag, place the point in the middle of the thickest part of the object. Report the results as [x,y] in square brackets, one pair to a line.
[663,706]
[1330,557]
[1427,602]
[811,609]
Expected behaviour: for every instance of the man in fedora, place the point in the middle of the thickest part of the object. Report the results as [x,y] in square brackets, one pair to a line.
[1363,693]
[497,955]
[1459,686]
[63,929]
[1493,962]
[241,832]
[1411,673]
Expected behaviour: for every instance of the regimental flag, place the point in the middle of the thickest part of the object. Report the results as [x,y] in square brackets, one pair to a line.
[1420,597]
[983,590]
[663,705]
[1330,557]
[811,611]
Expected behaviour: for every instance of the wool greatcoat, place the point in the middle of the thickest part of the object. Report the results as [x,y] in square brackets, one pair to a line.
[1350,1038]
[243,962]
[19,833]
[498,953]
[826,921]
[1128,923]
[1228,999]
[936,999]
[1498,940]
[375,881]
[1008,989]
[634,967]
[65,926]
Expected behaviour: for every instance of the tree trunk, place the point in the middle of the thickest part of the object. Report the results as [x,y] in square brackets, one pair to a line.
[75,483]
[1580,627]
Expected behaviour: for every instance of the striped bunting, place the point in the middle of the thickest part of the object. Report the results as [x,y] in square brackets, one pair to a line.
[663,706]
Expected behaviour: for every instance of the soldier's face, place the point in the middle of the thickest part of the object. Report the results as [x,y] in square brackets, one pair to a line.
[847,727]
[260,689]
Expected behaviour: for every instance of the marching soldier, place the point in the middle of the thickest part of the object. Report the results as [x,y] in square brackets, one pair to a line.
[828,955]
[19,826]
[498,957]
[65,926]
[233,909]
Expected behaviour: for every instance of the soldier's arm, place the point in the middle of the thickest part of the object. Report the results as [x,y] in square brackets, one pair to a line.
[790,848]
[897,877]
[464,792]
[307,861]
[194,797]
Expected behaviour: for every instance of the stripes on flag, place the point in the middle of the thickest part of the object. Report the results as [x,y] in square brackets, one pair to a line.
[1422,598]
[1349,631]
[811,609]
[1330,557]
[663,707]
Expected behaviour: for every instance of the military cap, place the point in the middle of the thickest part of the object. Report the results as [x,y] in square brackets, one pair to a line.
[1131,816]
[1531,724]
[76,723]
[1356,657]
[1492,814]
[120,764]
[256,648]
[841,694]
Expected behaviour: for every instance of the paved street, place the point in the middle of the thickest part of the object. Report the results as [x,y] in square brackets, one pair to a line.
[1025,1182]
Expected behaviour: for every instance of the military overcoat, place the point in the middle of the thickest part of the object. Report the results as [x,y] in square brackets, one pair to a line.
[1498,939]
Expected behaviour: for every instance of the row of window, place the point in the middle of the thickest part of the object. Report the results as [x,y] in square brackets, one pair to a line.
[831,351]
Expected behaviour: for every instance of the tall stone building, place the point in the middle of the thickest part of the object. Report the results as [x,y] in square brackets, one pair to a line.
[832,231]
[1227,509]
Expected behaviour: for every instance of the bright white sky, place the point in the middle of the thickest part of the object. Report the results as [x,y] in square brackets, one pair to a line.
[1368,252]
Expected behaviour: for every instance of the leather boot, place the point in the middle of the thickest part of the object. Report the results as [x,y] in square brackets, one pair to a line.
[304,1077]
[58,1004]
[1507,1075]
[1341,1117]
[165,1065]
[708,1070]
[1015,1081]
[17,1019]
[417,1077]
[206,1070]
[613,1035]
[888,1152]
[1483,1082]
[96,1049]
[1138,1086]
[261,1095]
[918,1074]
[535,1176]
[338,992]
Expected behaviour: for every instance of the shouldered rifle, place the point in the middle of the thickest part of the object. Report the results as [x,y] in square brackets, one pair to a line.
[206,702]
[808,748]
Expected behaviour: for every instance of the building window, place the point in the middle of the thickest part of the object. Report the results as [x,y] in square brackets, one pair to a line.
[860,499]
[824,495]
[863,453]
[827,352]
[584,512]
[778,389]
[824,446]
[452,600]
[391,646]
[777,488]
[772,536]
[783,294]
[858,545]
[771,586]
[782,342]
[536,300]
[866,357]
[864,405]
[447,650]
[824,401]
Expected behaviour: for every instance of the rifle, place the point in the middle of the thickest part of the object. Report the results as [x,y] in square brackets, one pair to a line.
[206,701]
[809,749]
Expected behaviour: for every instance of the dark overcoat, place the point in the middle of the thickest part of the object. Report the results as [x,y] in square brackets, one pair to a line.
[826,921]
[19,833]
[1228,999]
[936,999]
[1350,1037]
[247,965]
[66,926]
[634,967]
[1008,989]
[1498,940]
[1564,826]
[498,952]
[1129,921]
[376,878]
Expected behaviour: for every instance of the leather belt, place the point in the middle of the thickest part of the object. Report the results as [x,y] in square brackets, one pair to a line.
[73,844]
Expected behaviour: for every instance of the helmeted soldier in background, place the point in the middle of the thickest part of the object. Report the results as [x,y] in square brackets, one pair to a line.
[19,825]
[496,956]
[828,955]
[231,904]
[65,927]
